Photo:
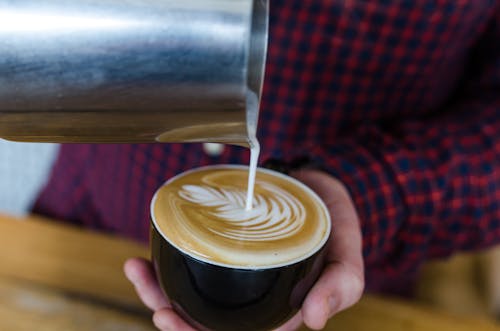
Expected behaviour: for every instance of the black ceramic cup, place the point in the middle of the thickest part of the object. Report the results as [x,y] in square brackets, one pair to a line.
[214,297]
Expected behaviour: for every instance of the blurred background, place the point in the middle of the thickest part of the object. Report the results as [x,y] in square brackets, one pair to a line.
[23,171]
[69,279]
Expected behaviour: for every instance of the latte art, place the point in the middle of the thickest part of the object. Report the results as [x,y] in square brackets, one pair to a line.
[203,214]
[274,217]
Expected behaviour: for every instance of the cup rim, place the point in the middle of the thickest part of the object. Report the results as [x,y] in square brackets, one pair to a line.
[305,257]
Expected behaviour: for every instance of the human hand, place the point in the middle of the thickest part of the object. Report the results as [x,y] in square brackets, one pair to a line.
[341,283]
[339,286]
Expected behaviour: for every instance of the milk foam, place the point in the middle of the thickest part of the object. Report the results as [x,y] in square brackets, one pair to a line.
[275,217]
[203,213]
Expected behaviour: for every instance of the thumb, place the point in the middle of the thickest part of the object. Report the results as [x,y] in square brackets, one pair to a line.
[338,288]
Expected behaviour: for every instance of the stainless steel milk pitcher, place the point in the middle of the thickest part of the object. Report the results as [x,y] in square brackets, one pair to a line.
[131,70]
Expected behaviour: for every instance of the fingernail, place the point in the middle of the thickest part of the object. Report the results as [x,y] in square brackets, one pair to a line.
[133,278]
[332,305]
[129,277]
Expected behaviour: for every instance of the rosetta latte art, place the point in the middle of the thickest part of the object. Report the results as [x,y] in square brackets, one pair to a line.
[277,216]
[204,214]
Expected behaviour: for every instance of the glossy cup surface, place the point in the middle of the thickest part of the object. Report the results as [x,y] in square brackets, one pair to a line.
[215,297]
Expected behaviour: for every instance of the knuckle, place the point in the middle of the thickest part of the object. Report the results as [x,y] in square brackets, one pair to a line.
[357,287]
[353,288]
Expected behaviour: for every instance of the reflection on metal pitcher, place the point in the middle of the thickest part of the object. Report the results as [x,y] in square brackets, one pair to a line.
[113,71]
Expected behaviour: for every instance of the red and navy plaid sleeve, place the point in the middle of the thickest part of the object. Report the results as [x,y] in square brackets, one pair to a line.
[426,187]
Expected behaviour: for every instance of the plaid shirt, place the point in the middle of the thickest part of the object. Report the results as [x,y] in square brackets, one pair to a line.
[400,100]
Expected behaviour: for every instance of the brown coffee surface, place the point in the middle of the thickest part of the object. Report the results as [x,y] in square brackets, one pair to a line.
[202,213]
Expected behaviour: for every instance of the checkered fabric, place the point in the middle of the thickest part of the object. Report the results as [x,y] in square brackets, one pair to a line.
[400,100]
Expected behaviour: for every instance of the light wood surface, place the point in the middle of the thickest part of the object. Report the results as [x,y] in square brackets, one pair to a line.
[384,314]
[28,307]
[68,258]
[56,277]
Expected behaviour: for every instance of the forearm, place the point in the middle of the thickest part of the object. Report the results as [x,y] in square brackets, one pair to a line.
[422,188]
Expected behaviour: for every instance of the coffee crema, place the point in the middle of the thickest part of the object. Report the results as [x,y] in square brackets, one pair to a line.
[202,213]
